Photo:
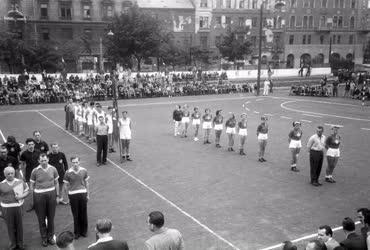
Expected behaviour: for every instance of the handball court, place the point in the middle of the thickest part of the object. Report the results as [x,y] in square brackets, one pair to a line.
[217,199]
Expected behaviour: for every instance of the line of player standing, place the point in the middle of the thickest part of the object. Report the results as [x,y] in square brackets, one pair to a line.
[316,144]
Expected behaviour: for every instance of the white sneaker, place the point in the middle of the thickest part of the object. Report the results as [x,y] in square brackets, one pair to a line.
[196,139]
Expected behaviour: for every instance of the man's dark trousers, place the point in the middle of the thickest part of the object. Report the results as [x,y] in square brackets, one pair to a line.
[79,211]
[316,160]
[13,220]
[102,144]
[45,204]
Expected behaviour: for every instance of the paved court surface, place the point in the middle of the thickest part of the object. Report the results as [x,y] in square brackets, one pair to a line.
[217,199]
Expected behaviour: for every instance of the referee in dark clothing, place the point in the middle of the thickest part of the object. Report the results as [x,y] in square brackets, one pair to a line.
[68,109]
[6,161]
[40,145]
[316,146]
[101,141]
[13,147]
[58,160]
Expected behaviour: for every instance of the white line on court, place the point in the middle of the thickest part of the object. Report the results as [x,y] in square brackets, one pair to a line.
[368,129]
[258,100]
[304,238]
[2,136]
[333,125]
[306,121]
[148,187]
[286,117]
[268,114]
[315,113]
[138,104]
[256,112]
[305,100]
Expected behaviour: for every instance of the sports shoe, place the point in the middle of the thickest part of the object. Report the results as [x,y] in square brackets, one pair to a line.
[196,139]
[294,169]
[51,241]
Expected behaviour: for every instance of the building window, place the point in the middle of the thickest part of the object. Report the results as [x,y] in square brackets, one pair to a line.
[241,4]
[334,39]
[291,39]
[322,21]
[292,22]
[306,3]
[107,11]
[310,22]
[66,11]
[204,42]
[228,4]
[217,40]
[219,4]
[254,4]
[305,21]
[350,40]
[86,8]
[293,4]
[88,34]
[312,3]
[228,20]
[304,39]
[353,4]
[44,10]
[322,39]
[204,3]
[339,4]
[45,34]
[126,5]
[335,21]
[203,22]
[324,3]
[352,22]
[309,39]
[339,37]
[67,33]
[218,20]
[340,22]
[241,21]
[254,21]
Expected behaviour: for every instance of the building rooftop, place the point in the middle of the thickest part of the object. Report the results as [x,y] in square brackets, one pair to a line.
[165,4]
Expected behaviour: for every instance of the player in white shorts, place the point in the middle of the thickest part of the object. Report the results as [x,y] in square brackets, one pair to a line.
[185,120]
[76,118]
[207,125]
[84,121]
[231,131]
[242,127]
[98,112]
[89,121]
[109,119]
[218,127]
[295,144]
[195,116]
[332,144]
[262,137]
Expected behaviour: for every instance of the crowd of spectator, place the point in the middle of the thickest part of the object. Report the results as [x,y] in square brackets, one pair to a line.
[356,86]
[27,89]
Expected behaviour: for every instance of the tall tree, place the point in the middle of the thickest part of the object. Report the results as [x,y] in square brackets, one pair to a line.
[234,44]
[136,34]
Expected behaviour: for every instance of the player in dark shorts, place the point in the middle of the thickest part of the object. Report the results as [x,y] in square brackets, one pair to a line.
[218,127]
[195,116]
[242,127]
[262,137]
[231,131]
[295,144]
[207,125]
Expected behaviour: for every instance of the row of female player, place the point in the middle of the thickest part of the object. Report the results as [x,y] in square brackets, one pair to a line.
[182,117]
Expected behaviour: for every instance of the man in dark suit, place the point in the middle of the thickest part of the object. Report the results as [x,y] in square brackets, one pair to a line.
[105,240]
[353,240]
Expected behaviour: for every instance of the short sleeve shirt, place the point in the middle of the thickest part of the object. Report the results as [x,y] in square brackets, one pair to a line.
[44,179]
[7,193]
[76,180]
[9,160]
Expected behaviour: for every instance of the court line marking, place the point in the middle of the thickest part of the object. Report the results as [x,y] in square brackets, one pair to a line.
[258,100]
[137,104]
[315,113]
[2,135]
[306,121]
[286,117]
[256,112]
[332,125]
[323,102]
[366,129]
[268,114]
[305,238]
[147,187]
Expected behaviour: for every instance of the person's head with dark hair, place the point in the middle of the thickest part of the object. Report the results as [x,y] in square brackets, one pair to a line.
[30,144]
[65,240]
[155,221]
[44,160]
[11,139]
[316,245]
[37,135]
[361,212]
[348,225]
[324,233]
[218,112]
[288,245]
[367,219]
[320,130]
[104,226]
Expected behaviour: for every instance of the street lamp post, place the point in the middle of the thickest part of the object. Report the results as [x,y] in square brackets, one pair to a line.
[279,4]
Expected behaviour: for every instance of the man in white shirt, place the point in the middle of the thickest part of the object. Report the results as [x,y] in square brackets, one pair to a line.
[325,233]
[316,146]
[266,87]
